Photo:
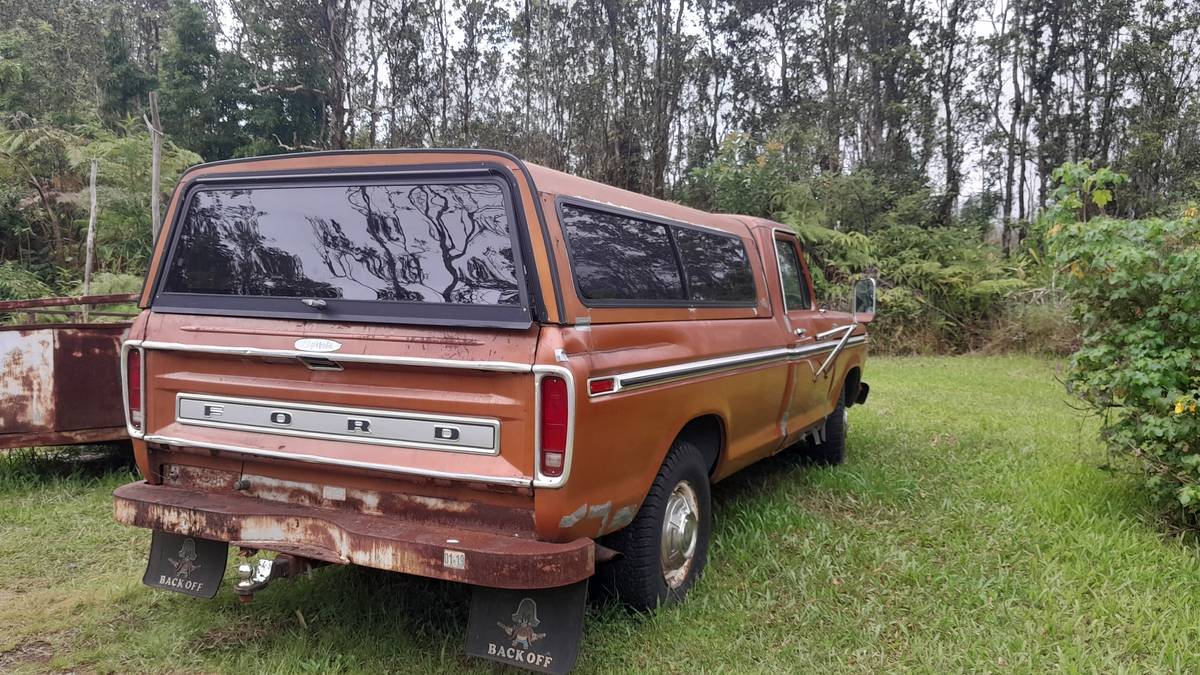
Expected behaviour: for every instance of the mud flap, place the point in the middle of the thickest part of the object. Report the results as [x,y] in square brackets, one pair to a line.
[537,630]
[187,565]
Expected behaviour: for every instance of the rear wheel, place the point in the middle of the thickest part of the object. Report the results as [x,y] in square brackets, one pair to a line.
[832,451]
[665,548]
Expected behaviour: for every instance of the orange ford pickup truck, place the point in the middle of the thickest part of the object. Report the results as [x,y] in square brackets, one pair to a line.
[459,365]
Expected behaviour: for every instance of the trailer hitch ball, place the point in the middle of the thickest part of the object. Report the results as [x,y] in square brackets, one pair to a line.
[252,579]
[245,579]
[245,571]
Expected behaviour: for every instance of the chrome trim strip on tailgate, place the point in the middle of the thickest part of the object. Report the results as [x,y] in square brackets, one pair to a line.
[315,459]
[419,361]
[446,433]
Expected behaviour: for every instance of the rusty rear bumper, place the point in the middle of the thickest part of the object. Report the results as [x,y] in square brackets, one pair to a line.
[349,537]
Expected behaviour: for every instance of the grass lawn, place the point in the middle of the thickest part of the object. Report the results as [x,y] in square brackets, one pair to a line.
[971,530]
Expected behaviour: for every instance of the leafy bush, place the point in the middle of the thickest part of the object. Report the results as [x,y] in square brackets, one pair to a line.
[961,282]
[1138,305]
[45,228]
[941,288]
[18,283]
[742,179]
[109,283]
[1036,321]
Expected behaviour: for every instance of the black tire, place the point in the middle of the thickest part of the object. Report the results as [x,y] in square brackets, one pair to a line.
[637,578]
[833,451]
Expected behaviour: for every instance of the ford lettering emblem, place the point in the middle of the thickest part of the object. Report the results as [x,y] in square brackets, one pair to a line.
[318,345]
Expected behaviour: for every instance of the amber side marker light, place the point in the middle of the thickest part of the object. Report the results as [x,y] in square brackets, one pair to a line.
[133,379]
[554,426]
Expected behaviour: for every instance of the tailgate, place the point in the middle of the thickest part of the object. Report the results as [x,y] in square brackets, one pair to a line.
[437,402]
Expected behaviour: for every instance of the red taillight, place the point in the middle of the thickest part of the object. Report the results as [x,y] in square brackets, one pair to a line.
[133,379]
[554,426]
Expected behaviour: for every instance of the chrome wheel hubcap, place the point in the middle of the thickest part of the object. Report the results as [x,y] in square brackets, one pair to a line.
[681,530]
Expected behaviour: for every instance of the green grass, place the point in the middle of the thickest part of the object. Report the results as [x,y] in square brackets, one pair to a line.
[973,529]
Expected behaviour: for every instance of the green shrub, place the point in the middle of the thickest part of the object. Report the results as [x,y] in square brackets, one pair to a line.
[900,326]
[942,289]
[1037,321]
[946,286]
[18,283]
[1135,286]
[111,283]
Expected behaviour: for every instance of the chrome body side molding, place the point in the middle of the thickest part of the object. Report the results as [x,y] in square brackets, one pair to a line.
[650,376]
[690,369]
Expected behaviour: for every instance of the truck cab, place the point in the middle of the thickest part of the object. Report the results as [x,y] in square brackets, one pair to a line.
[460,365]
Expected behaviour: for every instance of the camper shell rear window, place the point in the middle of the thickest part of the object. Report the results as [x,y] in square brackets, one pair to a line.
[436,251]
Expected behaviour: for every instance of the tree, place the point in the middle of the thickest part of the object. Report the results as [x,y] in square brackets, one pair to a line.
[124,83]
[201,88]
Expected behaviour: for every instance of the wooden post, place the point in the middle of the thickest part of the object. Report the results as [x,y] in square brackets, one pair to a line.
[91,238]
[154,124]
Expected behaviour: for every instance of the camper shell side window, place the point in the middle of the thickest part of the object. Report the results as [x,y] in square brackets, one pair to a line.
[622,258]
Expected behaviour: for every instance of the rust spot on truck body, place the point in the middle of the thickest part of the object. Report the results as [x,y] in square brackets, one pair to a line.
[493,558]
[414,507]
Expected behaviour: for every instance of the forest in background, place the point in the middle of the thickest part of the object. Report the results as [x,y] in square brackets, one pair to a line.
[918,140]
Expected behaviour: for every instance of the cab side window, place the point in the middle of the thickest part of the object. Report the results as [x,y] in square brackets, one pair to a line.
[795,290]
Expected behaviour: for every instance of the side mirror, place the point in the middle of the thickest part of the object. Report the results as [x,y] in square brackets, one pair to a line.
[862,301]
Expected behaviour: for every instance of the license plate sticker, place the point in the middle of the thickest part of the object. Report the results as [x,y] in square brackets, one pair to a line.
[188,565]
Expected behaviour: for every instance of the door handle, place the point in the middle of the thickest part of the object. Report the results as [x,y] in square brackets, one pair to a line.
[801,332]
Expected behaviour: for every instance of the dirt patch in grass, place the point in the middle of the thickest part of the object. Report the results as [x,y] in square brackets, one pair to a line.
[233,636]
[832,505]
[34,651]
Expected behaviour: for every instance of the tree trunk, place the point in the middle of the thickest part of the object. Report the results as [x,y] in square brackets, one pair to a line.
[90,247]
[335,19]
[950,39]
[374,51]
[154,125]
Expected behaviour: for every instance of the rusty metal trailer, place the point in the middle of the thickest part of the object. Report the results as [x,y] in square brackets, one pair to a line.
[60,383]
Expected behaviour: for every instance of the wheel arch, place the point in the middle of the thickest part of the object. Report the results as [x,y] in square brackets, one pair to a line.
[851,385]
[707,433]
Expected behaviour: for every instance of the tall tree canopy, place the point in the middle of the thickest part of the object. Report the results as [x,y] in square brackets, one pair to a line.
[931,106]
